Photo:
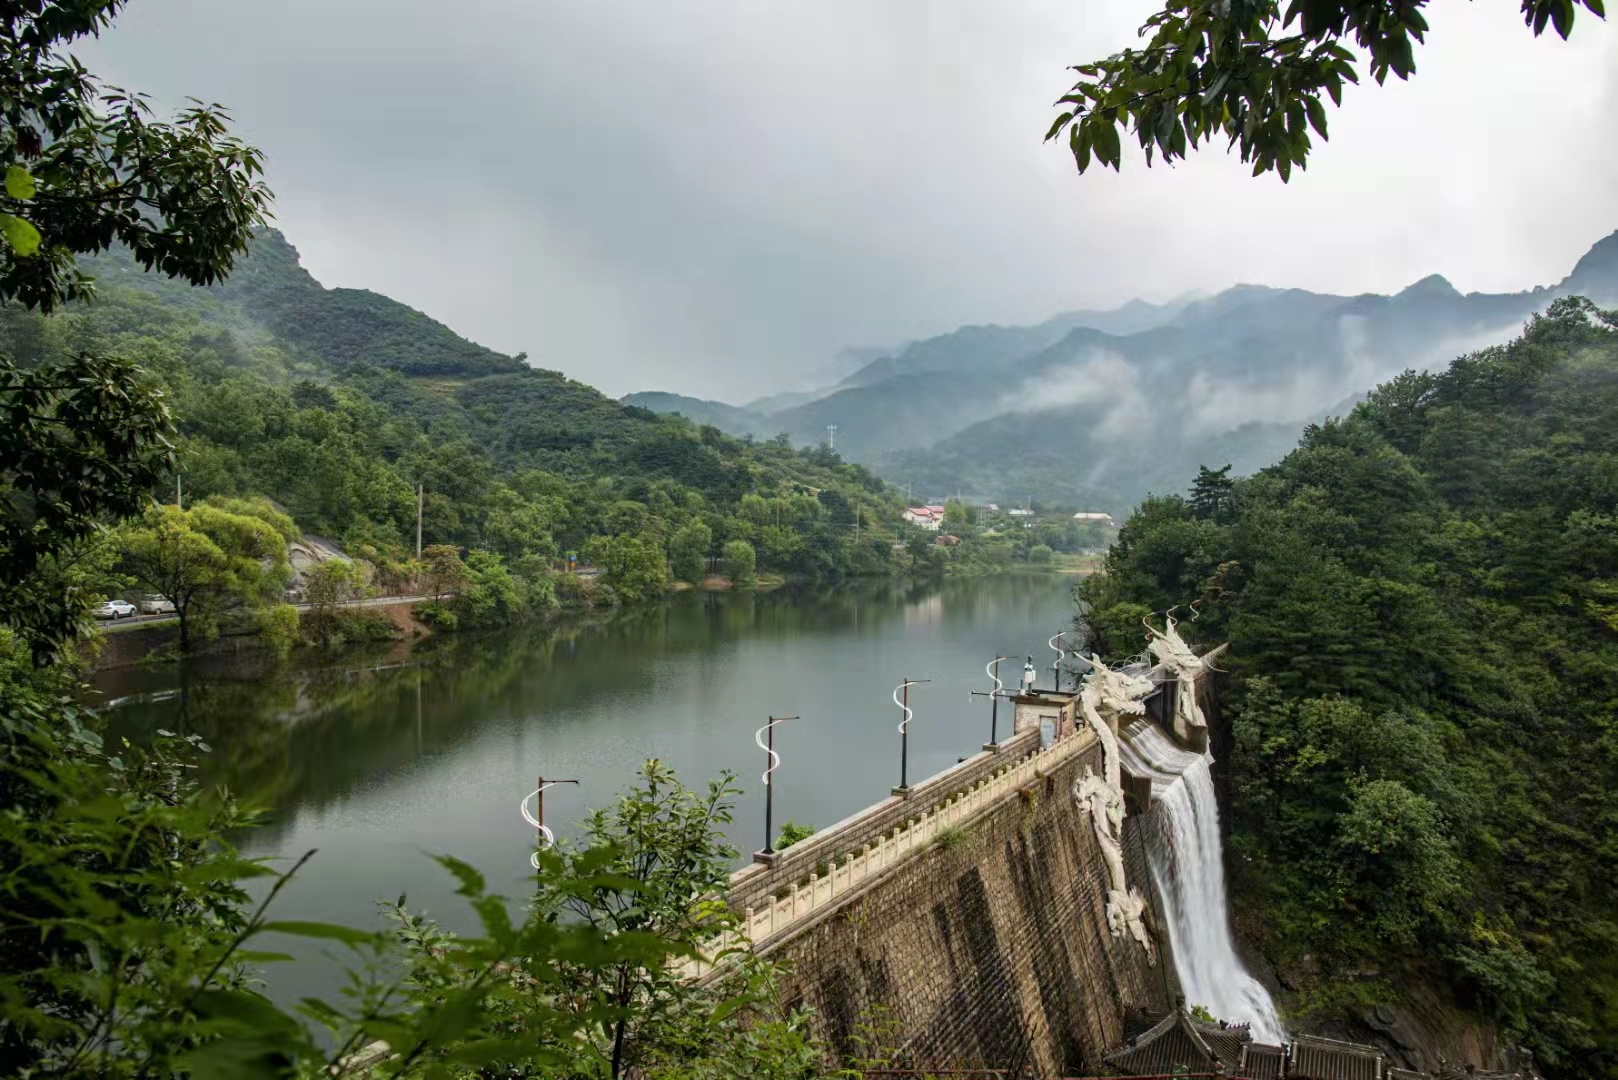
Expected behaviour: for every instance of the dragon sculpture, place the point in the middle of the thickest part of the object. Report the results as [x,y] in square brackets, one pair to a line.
[1173,653]
[1107,695]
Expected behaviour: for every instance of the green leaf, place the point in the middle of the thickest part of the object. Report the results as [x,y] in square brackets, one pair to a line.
[471,881]
[730,1005]
[348,935]
[244,1008]
[1317,115]
[485,1052]
[1562,16]
[1061,122]
[235,1059]
[19,182]
[20,234]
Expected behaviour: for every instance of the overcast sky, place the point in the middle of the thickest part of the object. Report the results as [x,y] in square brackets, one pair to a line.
[714,196]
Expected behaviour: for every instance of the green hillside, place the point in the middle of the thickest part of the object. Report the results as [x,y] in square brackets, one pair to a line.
[339,328]
[1422,604]
[338,403]
[736,419]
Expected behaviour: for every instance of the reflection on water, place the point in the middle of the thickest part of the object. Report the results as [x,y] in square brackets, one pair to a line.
[385,755]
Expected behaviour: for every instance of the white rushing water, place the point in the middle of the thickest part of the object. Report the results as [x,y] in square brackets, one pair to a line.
[1189,872]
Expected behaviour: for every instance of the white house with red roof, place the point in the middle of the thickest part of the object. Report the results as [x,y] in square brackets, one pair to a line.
[930,518]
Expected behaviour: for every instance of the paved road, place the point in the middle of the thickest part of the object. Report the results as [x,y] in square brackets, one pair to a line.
[157,620]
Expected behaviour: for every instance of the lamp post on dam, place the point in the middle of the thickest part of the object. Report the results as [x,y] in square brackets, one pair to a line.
[537,817]
[772,761]
[904,732]
[992,668]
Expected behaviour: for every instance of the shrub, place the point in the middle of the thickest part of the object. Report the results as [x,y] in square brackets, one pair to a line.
[278,626]
[741,561]
[791,833]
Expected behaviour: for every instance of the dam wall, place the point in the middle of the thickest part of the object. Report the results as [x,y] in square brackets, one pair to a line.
[992,949]
[963,923]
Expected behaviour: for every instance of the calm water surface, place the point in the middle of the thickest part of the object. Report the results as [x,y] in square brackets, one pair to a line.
[379,758]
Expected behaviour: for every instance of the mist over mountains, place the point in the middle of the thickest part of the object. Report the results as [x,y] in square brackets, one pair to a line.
[1101,408]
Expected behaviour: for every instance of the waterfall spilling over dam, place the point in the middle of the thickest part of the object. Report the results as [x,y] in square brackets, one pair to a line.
[1184,851]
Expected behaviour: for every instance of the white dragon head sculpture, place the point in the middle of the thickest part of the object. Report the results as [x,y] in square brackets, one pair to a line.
[1170,648]
[1108,690]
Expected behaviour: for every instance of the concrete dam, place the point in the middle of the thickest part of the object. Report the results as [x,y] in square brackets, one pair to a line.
[1014,912]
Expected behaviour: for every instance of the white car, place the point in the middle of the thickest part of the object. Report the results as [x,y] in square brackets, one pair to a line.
[114,609]
[152,604]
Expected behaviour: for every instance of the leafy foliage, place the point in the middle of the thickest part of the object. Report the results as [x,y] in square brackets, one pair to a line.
[634,569]
[1253,71]
[791,833]
[1419,601]
[82,441]
[741,561]
[86,166]
[688,551]
[208,560]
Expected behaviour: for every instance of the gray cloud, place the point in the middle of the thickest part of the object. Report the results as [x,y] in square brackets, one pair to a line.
[714,197]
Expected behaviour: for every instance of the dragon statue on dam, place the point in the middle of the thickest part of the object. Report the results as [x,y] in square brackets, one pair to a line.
[1190,726]
[1108,695]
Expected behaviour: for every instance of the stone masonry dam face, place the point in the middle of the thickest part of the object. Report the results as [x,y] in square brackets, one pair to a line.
[964,924]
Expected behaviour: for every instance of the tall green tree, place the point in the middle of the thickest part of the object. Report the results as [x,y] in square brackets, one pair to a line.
[1254,72]
[85,167]
[206,561]
[1211,493]
[635,568]
[741,561]
[688,550]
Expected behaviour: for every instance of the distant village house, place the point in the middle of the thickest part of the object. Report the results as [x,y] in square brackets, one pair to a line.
[928,517]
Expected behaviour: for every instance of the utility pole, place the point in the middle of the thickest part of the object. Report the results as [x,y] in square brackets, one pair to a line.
[178,504]
[831,436]
[420,488]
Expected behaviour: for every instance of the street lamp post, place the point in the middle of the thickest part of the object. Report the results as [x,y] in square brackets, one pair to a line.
[904,732]
[994,696]
[772,761]
[537,817]
[1061,654]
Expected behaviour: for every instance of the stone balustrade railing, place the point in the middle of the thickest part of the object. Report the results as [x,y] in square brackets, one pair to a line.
[842,869]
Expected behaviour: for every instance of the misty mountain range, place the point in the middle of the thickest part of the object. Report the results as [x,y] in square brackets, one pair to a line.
[1101,408]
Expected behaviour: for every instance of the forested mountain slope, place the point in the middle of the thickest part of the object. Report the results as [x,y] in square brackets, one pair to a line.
[1422,604]
[339,328]
[338,403]
[736,419]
